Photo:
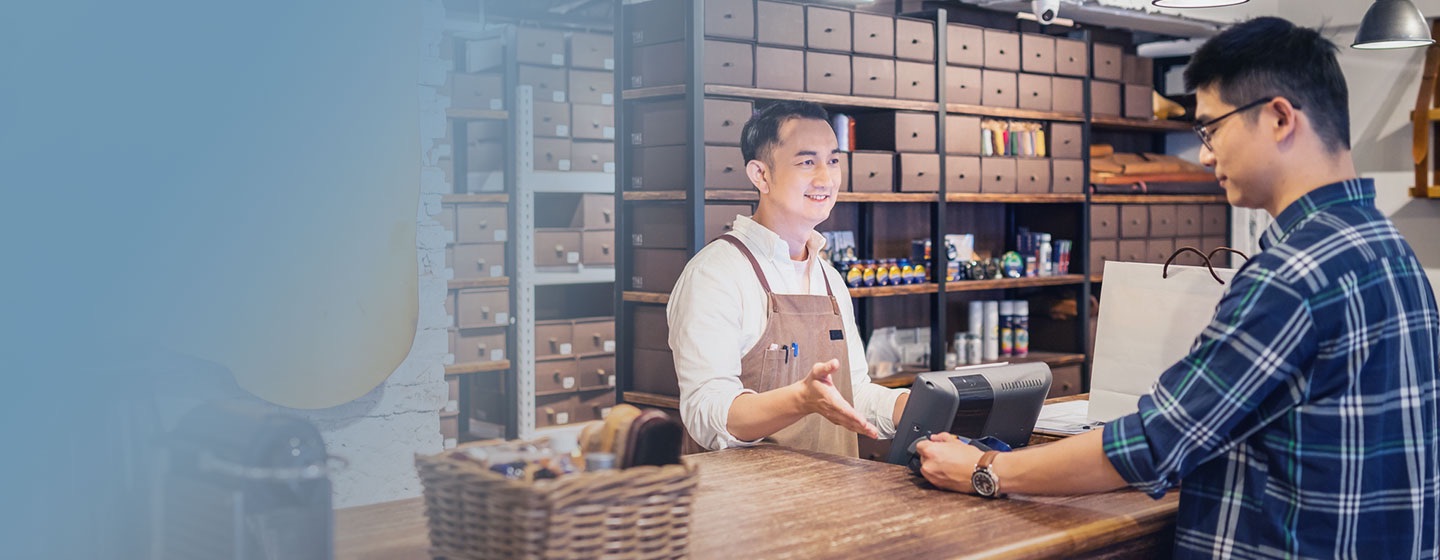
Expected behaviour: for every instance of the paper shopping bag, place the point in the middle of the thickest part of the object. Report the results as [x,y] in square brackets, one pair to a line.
[1147,323]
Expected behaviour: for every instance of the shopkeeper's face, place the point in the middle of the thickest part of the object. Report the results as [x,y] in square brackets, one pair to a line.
[1241,155]
[799,178]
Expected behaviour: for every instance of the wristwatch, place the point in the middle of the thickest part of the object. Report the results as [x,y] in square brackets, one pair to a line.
[984,480]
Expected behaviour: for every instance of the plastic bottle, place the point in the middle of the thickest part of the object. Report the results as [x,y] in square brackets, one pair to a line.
[907,272]
[854,274]
[882,274]
[920,274]
[896,274]
[1022,327]
[1046,262]
[1007,328]
[867,272]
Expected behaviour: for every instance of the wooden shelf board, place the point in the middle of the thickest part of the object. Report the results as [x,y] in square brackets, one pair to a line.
[883,291]
[1139,124]
[649,92]
[646,297]
[822,98]
[1010,283]
[501,198]
[1054,359]
[750,196]
[1096,278]
[476,115]
[1158,199]
[477,367]
[653,195]
[497,282]
[1013,113]
[1047,198]
[651,399]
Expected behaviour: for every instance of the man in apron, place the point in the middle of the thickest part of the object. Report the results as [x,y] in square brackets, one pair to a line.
[763,331]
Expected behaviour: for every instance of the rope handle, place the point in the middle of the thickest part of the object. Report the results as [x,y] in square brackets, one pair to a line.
[1209,265]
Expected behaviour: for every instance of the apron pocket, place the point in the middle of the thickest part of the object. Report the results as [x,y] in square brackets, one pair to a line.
[776,370]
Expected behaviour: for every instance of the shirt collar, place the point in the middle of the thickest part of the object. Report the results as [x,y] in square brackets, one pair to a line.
[1354,192]
[768,245]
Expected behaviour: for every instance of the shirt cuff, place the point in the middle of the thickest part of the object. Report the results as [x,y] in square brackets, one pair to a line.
[1128,449]
[720,426]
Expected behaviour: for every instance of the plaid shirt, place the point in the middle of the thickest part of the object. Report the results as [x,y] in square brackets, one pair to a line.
[1303,423]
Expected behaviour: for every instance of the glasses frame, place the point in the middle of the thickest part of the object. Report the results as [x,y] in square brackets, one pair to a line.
[1205,130]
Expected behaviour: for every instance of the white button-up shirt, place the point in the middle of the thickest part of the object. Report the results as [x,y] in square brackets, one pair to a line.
[717,314]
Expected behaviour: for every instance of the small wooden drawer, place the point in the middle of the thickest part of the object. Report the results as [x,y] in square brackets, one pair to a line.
[776,68]
[556,376]
[1157,249]
[1067,95]
[598,247]
[1134,250]
[594,336]
[962,174]
[1066,141]
[827,29]
[546,84]
[827,73]
[1189,221]
[1139,102]
[1109,62]
[779,23]
[1032,176]
[873,77]
[482,308]
[725,168]
[1101,252]
[920,172]
[477,260]
[1068,176]
[1064,381]
[728,63]
[474,346]
[554,338]
[592,122]
[872,172]
[659,168]
[1002,50]
[556,410]
[999,89]
[594,405]
[540,46]
[1104,221]
[733,19]
[481,223]
[962,135]
[1071,58]
[965,45]
[1164,220]
[595,51]
[915,40]
[1215,220]
[551,120]
[1134,221]
[1034,92]
[589,87]
[724,120]
[596,372]
[592,156]
[874,34]
[1105,99]
[964,85]
[1037,53]
[997,175]
[915,80]
[557,247]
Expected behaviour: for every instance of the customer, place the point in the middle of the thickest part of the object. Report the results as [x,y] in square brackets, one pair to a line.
[762,330]
[1303,423]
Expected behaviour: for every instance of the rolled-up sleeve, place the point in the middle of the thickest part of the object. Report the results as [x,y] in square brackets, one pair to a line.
[704,316]
[1242,372]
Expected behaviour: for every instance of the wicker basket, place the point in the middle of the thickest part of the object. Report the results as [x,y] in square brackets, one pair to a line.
[641,512]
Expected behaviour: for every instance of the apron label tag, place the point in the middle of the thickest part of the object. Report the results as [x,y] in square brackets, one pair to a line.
[837,335]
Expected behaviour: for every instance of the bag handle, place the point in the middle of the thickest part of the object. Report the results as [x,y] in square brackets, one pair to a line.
[1165,272]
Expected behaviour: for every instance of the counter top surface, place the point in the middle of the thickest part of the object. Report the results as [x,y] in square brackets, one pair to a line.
[769,501]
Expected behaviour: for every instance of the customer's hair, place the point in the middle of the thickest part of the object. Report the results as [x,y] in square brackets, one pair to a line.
[1271,57]
[762,131]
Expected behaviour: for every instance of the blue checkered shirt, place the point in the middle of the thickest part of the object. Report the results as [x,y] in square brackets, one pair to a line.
[1303,423]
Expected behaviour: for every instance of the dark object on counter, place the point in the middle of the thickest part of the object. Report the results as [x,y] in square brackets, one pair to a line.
[995,401]
[655,439]
[247,483]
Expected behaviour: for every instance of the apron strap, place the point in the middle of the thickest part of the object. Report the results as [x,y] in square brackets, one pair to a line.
[755,264]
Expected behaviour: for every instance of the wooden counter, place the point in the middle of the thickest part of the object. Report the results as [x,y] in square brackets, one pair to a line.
[768,502]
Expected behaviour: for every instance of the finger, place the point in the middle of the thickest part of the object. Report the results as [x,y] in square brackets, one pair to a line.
[822,370]
[923,449]
[943,437]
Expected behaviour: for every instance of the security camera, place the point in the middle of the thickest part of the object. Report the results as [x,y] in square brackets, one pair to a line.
[1045,10]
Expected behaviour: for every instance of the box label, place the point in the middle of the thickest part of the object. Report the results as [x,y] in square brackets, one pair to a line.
[565,349]
[497,355]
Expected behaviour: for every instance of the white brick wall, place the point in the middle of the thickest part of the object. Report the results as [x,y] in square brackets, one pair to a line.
[380,433]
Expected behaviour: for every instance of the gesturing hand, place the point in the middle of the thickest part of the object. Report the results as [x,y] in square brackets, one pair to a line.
[948,463]
[819,395]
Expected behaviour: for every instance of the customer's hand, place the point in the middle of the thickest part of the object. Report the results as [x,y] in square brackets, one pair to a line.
[947,462]
[819,396]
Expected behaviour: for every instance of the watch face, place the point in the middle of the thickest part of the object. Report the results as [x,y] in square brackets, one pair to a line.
[984,483]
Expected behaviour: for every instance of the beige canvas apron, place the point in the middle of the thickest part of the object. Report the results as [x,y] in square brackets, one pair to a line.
[814,326]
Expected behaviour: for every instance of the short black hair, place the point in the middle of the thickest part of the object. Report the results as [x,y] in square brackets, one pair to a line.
[762,131]
[1271,57]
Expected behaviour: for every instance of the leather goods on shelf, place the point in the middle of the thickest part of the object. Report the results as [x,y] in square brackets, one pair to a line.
[1122,173]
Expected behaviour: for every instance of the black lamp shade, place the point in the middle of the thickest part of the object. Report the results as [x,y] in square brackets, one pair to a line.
[1195,3]
[1393,24]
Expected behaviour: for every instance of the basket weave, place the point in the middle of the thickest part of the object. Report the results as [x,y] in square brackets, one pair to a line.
[640,512]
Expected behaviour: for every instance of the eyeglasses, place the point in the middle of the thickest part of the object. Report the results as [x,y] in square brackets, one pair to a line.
[1206,129]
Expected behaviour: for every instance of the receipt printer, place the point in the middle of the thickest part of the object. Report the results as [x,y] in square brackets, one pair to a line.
[1000,402]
